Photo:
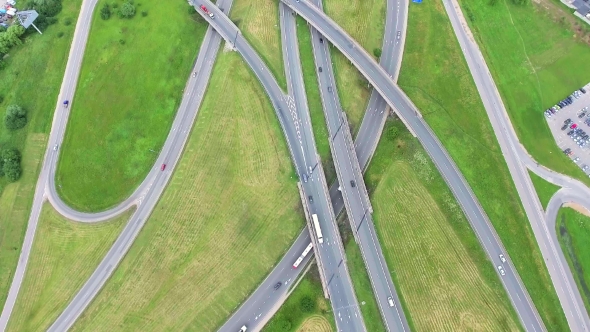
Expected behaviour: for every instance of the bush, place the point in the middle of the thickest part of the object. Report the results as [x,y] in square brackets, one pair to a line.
[15,118]
[122,41]
[105,12]
[11,164]
[392,133]
[1,99]
[377,53]
[144,13]
[307,304]
[49,8]
[60,34]
[127,10]
[2,66]
[67,21]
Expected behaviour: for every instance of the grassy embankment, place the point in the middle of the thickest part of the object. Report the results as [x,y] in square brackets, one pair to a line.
[229,214]
[436,78]
[544,189]
[32,79]
[443,276]
[259,22]
[130,87]
[306,309]
[573,232]
[365,22]
[64,255]
[536,61]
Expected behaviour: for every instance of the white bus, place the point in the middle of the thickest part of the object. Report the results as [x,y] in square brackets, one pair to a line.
[305,252]
[318,230]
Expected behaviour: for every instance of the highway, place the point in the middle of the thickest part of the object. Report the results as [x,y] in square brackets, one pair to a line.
[349,172]
[518,160]
[408,113]
[294,119]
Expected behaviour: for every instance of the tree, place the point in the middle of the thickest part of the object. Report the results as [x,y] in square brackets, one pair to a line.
[15,118]
[48,8]
[127,10]
[392,133]
[11,164]
[377,53]
[105,11]
[307,304]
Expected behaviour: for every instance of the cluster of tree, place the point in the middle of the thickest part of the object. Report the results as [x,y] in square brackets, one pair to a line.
[15,118]
[127,10]
[10,164]
[47,10]
[11,37]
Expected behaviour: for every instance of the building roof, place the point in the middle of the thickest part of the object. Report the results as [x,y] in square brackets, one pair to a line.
[582,6]
[27,17]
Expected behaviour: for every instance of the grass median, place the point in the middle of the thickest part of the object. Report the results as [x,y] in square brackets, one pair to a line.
[573,232]
[32,79]
[306,309]
[536,60]
[435,76]
[64,255]
[444,278]
[229,214]
[258,20]
[130,86]
[544,189]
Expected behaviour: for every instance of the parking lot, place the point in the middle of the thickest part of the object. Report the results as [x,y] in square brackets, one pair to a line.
[569,121]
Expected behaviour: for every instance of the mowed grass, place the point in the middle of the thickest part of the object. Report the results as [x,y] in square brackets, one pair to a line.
[573,232]
[64,255]
[365,22]
[544,189]
[292,316]
[125,101]
[228,215]
[314,101]
[435,76]
[362,287]
[444,277]
[258,21]
[535,62]
[31,79]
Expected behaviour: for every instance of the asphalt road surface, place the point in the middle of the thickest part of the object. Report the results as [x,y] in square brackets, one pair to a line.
[294,119]
[517,160]
[384,84]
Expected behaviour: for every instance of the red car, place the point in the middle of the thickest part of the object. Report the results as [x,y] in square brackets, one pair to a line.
[573,126]
[163,167]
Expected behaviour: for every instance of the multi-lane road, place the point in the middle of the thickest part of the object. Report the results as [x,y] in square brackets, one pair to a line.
[384,84]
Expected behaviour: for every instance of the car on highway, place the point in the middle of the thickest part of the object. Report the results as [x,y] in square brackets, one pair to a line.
[321,40]
[243,328]
[352,184]
[55,147]
[195,74]
[329,89]
[501,269]
[310,199]
[304,177]
[399,34]
[163,167]
[278,285]
[390,301]
[502,258]
[66,102]
[320,69]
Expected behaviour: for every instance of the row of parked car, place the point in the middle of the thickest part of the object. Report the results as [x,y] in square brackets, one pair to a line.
[576,133]
[567,101]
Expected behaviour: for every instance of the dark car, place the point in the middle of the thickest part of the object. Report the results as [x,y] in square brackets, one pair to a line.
[568,121]
[66,103]
[310,199]
[278,285]
[321,40]
[352,183]
[583,90]
[329,89]
[567,151]
[320,69]
[583,114]
[564,127]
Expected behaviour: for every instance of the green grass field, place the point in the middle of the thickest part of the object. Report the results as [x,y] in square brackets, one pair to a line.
[125,101]
[436,78]
[31,79]
[365,22]
[228,215]
[64,255]
[259,22]
[318,120]
[544,189]
[573,232]
[296,316]
[443,276]
[536,61]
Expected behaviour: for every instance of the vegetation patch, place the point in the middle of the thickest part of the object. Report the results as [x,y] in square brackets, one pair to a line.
[306,309]
[544,189]
[131,83]
[31,79]
[258,21]
[429,247]
[435,76]
[536,61]
[573,229]
[64,255]
[229,214]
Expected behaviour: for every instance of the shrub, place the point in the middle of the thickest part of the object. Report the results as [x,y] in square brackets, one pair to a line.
[11,164]
[144,13]
[15,118]
[122,41]
[67,21]
[127,10]
[60,34]
[2,66]
[377,53]
[49,7]
[392,133]
[307,304]
[105,12]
